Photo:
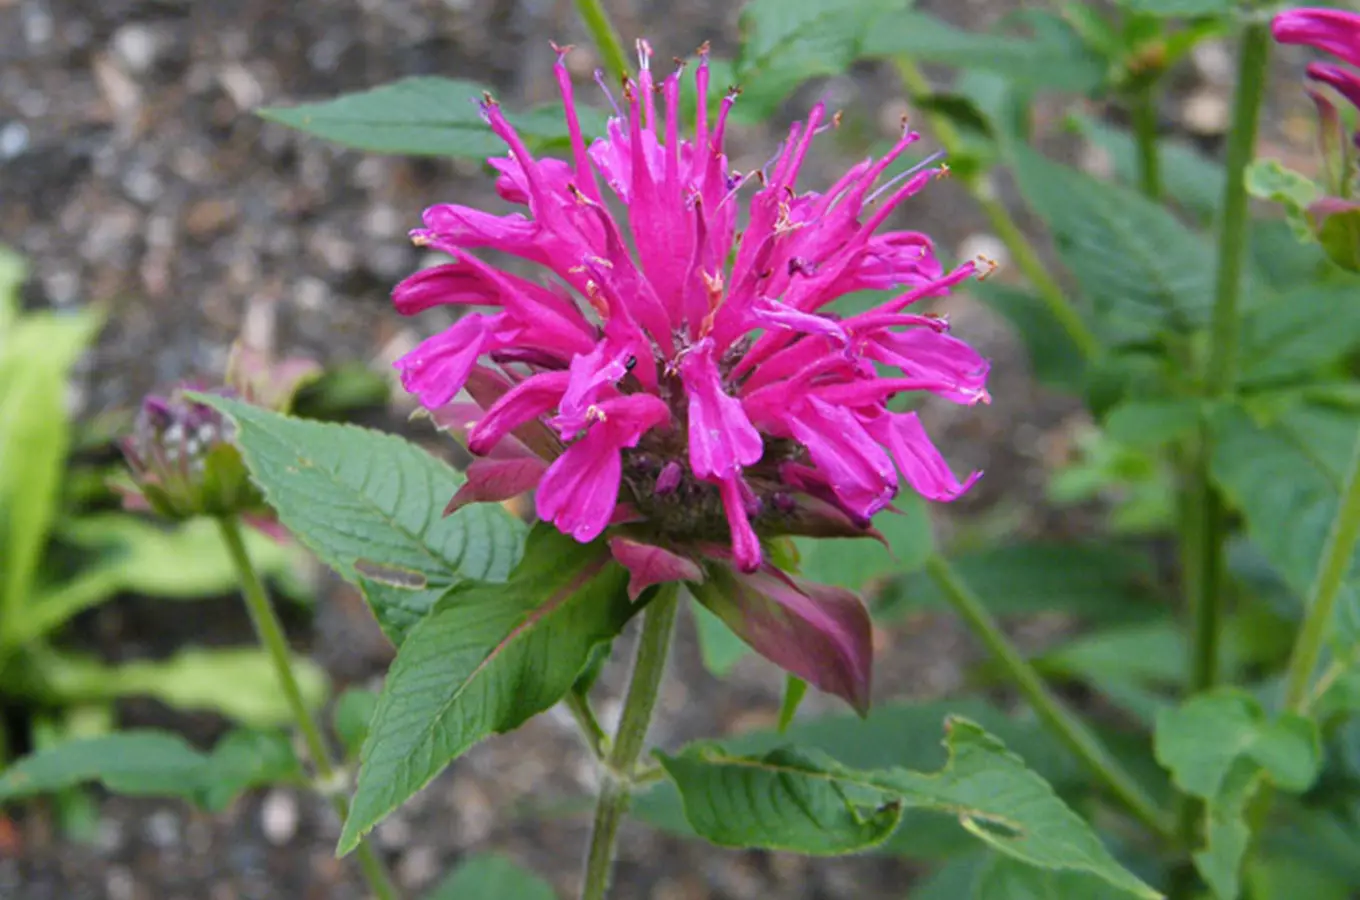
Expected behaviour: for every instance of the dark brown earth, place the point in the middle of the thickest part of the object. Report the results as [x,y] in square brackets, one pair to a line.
[133,175]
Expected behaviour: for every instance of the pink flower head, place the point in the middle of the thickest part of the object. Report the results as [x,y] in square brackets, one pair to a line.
[1332,31]
[676,367]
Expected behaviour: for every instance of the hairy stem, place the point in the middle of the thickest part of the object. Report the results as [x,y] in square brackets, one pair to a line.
[1026,258]
[269,630]
[606,38]
[621,763]
[578,704]
[1061,721]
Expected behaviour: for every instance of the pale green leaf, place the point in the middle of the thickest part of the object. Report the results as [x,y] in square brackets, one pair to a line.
[147,763]
[1180,7]
[1141,268]
[353,711]
[355,496]
[423,116]
[244,760]
[719,646]
[805,801]
[1191,179]
[486,659]
[490,876]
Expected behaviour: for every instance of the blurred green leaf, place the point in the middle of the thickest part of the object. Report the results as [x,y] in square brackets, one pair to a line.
[1053,57]
[804,801]
[1301,332]
[1008,879]
[1191,180]
[1282,261]
[36,356]
[1098,582]
[719,647]
[855,563]
[423,116]
[13,272]
[1180,7]
[353,711]
[1149,424]
[145,763]
[1054,359]
[1269,179]
[1142,269]
[1289,878]
[490,876]
[1284,476]
[244,760]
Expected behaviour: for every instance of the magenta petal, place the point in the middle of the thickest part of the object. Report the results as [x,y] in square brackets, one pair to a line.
[436,370]
[820,633]
[721,437]
[495,480]
[648,564]
[440,285]
[921,463]
[580,489]
[745,543]
[1331,30]
[852,462]
[523,403]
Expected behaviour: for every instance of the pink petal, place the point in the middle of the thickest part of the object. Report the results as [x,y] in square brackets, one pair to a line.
[648,564]
[721,437]
[921,463]
[523,403]
[495,480]
[745,544]
[579,490]
[440,285]
[852,462]
[1331,30]
[933,356]
[819,633]
[436,370]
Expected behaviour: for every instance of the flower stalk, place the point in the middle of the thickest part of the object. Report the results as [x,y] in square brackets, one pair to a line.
[621,762]
[605,36]
[1066,726]
[269,630]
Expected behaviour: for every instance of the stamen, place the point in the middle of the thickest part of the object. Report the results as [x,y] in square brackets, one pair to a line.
[905,174]
[991,266]
[608,94]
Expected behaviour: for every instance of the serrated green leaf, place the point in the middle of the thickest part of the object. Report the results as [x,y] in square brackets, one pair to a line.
[486,659]
[805,801]
[1054,359]
[1191,179]
[244,760]
[1180,7]
[1142,269]
[490,876]
[141,763]
[353,711]
[354,495]
[1289,470]
[1054,57]
[1099,582]
[786,42]
[855,563]
[423,116]
[1300,332]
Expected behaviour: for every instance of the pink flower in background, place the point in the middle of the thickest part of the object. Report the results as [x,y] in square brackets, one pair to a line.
[1333,31]
[676,374]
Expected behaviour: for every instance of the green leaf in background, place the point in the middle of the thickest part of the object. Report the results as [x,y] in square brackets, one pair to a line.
[1284,476]
[238,683]
[247,759]
[806,802]
[1217,746]
[13,272]
[856,563]
[36,356]
[1098,582]
[1300,332]
[1283,262]
[1289,878]
[1055,361]
[1003,878]
[1141,268]
[1269,179]
[354,495]
[1180,7]
[140,763]
[1190,178]
[1054,57]
[786,42]
[486,659]
[353,711]
[719,647]
[423,116]
[1150,424]
[490,876]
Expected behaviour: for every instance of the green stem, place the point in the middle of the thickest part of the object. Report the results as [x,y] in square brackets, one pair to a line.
[605,36]
[269,630]
[579,706]
[1026,258]
[621,764]
[1143,109]
[1233,224]
[1068,728]
[1332,569]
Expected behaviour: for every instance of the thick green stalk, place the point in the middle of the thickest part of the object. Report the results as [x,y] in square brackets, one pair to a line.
[605,36]
[1062,722]
[621,763]
[1026,258]
[1143,109]
[270,632]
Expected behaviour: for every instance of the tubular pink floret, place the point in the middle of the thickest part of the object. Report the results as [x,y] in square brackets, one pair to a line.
[685,399]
